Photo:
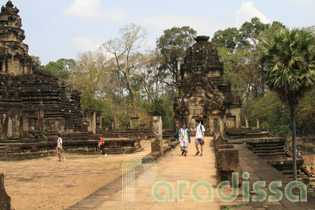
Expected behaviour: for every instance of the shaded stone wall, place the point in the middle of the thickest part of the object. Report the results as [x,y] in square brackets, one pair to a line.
[203,93]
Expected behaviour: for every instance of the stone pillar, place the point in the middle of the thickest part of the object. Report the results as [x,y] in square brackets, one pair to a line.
[41,119]
[5,200]
[99,121]
[156,134]
[221,121]
[218,136]
[9,127]
[93,123]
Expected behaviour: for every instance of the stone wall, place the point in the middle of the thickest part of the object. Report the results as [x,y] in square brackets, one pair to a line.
[227,156]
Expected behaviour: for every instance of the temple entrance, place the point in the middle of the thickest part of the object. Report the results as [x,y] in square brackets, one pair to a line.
[202,91]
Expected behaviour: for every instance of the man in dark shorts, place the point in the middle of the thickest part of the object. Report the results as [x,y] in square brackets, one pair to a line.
[200,134]
[101,145]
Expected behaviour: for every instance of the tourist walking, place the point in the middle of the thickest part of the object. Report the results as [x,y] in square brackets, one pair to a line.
[101,145]
[59,148]
[184,138]
[200,135]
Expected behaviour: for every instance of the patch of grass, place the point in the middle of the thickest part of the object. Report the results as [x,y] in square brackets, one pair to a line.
[234,207]
[45,138]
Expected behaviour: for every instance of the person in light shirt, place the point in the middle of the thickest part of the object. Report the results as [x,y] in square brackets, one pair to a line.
[200,134]
[184,138]
[59,148]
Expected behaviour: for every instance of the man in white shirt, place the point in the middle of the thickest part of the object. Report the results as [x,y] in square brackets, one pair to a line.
[59,148]
[200,134]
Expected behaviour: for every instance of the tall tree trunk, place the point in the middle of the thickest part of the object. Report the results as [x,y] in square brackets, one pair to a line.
[246,121]
[130,90]
[262,81]
[157,89]
[258,123]
[293,125]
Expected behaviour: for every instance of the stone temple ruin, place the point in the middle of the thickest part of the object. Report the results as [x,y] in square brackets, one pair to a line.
[203,93]
[35,105]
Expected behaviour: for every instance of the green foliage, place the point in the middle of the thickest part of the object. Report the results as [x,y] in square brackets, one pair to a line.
[36,61]
[273,115]
[61,68]
[305,118]
[229,38]
[172,45]
[45,138]
[163,107]
[290,64]
[252,30]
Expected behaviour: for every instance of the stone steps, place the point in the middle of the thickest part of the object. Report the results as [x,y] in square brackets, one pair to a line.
[262,151]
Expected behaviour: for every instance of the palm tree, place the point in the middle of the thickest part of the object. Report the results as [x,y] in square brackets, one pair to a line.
[289,58]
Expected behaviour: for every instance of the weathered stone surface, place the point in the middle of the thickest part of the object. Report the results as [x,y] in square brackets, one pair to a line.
[218,135]
[203,93]
[5,200]
[227,161]
[156,134]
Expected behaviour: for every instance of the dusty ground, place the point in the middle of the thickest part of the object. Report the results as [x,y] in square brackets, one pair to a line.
[48,184]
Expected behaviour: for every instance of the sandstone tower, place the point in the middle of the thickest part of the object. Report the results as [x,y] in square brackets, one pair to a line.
[14,58]
[203,93]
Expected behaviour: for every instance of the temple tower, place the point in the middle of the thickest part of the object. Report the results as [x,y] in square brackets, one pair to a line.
[14,58]
[203,93]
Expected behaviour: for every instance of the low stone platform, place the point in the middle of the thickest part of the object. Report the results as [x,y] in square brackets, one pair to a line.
[137,133]
[22,151]
[241,133]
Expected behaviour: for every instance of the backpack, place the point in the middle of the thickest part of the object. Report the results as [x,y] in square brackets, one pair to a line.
[201,126]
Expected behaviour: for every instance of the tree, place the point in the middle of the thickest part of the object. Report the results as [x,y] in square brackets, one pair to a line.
[230,38]
[125,50]
[36,61]
[253,29]
[61,68]
[148,73]
[173,45]
[289,58]
[91,75]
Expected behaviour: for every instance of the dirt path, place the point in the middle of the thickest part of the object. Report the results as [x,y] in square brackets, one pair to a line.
[51,185]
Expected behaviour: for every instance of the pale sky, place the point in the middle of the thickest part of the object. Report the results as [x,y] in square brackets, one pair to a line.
[63,28]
